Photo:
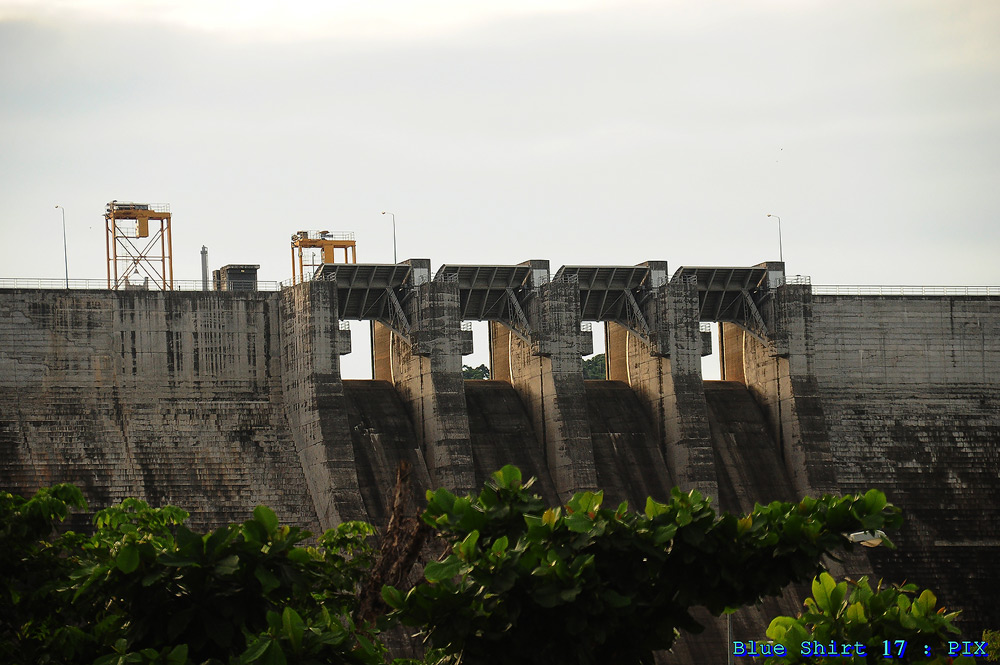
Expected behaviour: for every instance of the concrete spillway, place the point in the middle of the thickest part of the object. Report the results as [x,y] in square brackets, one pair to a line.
[629,464]
[501,433]
[747,458]
[382,435]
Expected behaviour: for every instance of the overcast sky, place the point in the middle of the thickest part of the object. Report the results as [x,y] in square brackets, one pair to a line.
[580,132]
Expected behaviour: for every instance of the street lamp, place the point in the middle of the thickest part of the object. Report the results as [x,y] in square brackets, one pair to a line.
[781,256]
[65,254]
[867,538]
[393,215]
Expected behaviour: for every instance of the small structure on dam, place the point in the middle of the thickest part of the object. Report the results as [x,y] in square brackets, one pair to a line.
[139,244]
[221,400]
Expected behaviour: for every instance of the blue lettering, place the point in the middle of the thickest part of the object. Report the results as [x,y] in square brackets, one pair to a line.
[967,648]
[814,648]
[752,648]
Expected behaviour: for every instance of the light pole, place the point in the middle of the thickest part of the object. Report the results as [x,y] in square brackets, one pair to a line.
[393,215]
[781,256]
[65,253]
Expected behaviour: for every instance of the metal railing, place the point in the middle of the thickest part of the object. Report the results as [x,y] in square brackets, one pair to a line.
[686,279]
[102,284]
[817,289]
[794,279]
[871,290]
[325,235]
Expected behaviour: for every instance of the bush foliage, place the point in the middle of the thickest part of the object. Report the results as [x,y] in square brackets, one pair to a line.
[519,582]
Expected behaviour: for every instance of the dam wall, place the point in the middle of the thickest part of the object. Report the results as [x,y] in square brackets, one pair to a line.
[168,397]
[221,401]
[899,393]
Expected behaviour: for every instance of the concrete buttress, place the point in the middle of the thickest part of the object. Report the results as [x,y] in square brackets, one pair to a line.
[427,372]
[314,400]
[547,374]
[665,372]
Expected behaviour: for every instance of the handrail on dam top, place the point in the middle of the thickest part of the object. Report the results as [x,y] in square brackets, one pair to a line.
[869,290]
[102,284]
[819,290]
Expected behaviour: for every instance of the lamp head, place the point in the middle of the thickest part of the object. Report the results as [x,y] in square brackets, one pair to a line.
[867,538]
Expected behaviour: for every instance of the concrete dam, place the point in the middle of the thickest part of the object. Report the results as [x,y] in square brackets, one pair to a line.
[217,401]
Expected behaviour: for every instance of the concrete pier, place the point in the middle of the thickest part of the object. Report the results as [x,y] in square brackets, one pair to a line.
[426,368]
[545,369]
[314,400]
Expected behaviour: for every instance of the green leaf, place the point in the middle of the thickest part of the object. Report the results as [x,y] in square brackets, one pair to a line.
[393,597]
[551,516]
[267,579]
[579,523]
[664,534]
[128,558]
[293,625]
[875,501]
[499,545]
[926,601]
[436,571]
[274,655]
[178,655]
[256,649]
[299,555]
[615,599]
[654,508]
[822,588]
[509,477]
[228,565]
[266,517]
[467,547]
[856,613]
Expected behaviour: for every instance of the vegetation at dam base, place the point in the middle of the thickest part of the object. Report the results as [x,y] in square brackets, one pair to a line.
[517,582]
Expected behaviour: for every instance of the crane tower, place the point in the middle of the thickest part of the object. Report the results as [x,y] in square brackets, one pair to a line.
[139,245]
[311,249]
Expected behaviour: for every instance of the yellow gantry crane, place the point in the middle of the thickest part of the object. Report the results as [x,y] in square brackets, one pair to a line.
[139,244]
[304,244]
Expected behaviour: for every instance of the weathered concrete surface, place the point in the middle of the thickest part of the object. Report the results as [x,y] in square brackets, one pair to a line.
[169,397]
[629,463]
[314,400]
[747,458]
[547,373]
[665,372]
[899,393]
[502,434]
[383,436]
[911,393]
[222,401]
[427,370]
